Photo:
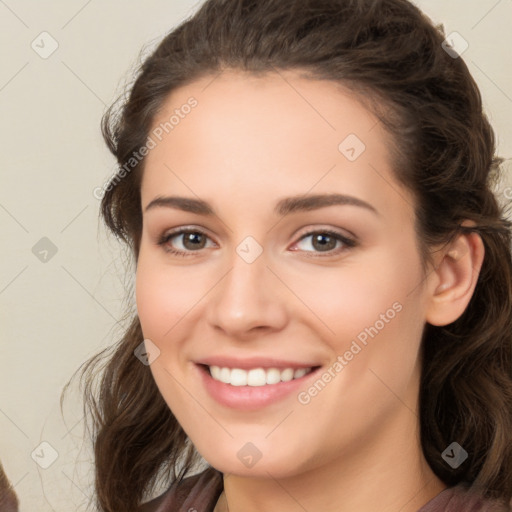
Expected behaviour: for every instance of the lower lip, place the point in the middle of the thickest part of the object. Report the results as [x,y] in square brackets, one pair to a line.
[250,397]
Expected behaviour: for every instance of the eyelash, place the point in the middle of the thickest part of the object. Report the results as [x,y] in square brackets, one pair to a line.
[349,243]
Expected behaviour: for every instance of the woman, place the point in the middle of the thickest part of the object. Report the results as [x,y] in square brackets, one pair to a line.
[324,277]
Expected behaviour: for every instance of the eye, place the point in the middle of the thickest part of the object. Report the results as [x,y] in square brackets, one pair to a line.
[324,241]
[184,241]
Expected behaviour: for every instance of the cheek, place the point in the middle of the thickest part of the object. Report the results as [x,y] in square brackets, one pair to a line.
[375,315]
[354,297]
[164,295]
[372,317]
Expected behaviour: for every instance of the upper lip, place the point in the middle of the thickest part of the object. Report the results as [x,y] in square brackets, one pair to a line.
[253,362]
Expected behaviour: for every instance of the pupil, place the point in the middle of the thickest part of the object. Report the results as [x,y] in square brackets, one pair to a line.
[322,242]
[320,239]
[193,238]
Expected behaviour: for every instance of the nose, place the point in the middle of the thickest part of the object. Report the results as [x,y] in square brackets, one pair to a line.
[249,300]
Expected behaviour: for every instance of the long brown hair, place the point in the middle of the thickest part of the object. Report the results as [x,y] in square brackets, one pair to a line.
[8,498]
[392,57]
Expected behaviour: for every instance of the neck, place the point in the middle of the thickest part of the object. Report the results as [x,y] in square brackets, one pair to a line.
[387,474]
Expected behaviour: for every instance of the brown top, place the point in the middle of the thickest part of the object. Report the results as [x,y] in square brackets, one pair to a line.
[199,493]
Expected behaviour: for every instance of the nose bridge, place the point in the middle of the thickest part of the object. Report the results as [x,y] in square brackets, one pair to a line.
[247,297]
[241,284]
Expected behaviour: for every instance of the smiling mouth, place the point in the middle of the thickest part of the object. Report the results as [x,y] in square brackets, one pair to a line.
[256,377]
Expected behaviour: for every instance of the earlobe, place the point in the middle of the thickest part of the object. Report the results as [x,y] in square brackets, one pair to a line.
[454,279]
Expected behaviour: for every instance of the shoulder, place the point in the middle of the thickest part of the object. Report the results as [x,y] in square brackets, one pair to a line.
[463,498]
[199,492]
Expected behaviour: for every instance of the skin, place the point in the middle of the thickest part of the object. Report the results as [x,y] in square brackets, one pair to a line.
[250,142]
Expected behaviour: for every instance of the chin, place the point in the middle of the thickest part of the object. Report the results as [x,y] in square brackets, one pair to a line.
[248,462]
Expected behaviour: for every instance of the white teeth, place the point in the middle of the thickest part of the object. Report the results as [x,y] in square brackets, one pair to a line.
[300,373]
[225,375]
[238,377]
[273,376]
[215,372]
[256,376]
[287,374]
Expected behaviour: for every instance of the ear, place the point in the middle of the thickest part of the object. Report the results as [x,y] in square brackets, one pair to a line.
[453,281]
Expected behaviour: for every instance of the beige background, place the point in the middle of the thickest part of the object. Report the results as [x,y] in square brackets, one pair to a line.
[55,314]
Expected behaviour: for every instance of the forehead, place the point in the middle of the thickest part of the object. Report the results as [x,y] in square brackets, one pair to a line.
[276,134]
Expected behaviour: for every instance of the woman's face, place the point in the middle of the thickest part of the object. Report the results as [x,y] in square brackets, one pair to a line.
[296,257]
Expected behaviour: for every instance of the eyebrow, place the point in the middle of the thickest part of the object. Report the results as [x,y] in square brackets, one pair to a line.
[282,208]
